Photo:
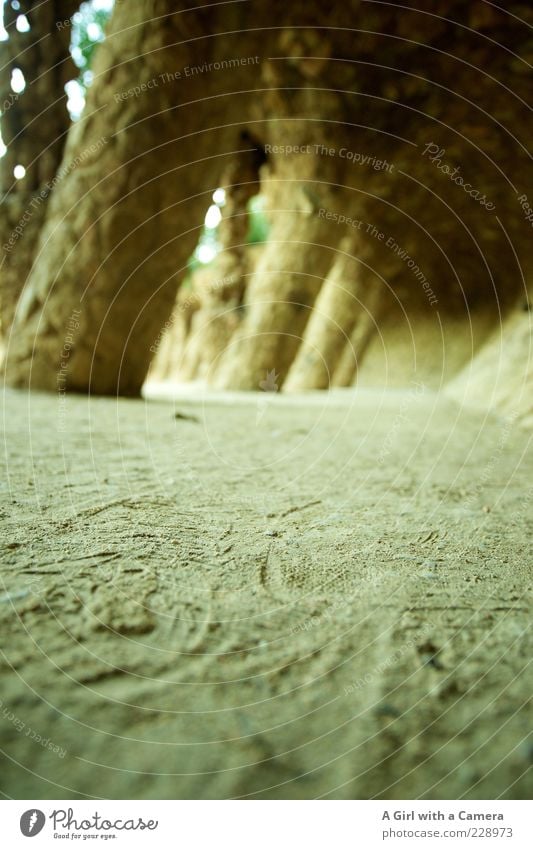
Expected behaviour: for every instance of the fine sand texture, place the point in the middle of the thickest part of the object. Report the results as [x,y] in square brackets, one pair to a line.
[265,596]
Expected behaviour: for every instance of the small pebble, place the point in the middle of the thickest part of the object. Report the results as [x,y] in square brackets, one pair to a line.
[186,417]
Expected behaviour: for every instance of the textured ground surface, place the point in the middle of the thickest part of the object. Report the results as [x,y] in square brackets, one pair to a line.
[271,598]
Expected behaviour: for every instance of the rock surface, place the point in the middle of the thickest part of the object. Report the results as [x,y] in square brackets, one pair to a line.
[264,596]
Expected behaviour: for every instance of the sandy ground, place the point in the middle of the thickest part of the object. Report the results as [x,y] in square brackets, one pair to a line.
[265,597]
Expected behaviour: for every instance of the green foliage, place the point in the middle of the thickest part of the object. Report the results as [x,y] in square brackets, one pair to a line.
[208,245]
[258,227]
[88,31]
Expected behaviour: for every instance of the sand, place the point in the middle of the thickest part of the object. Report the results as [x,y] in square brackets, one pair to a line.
[265,597]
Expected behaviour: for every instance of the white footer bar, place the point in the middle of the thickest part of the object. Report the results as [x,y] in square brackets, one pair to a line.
[267,824]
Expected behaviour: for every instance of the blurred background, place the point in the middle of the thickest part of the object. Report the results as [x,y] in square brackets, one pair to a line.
[220,198]
[265,324]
